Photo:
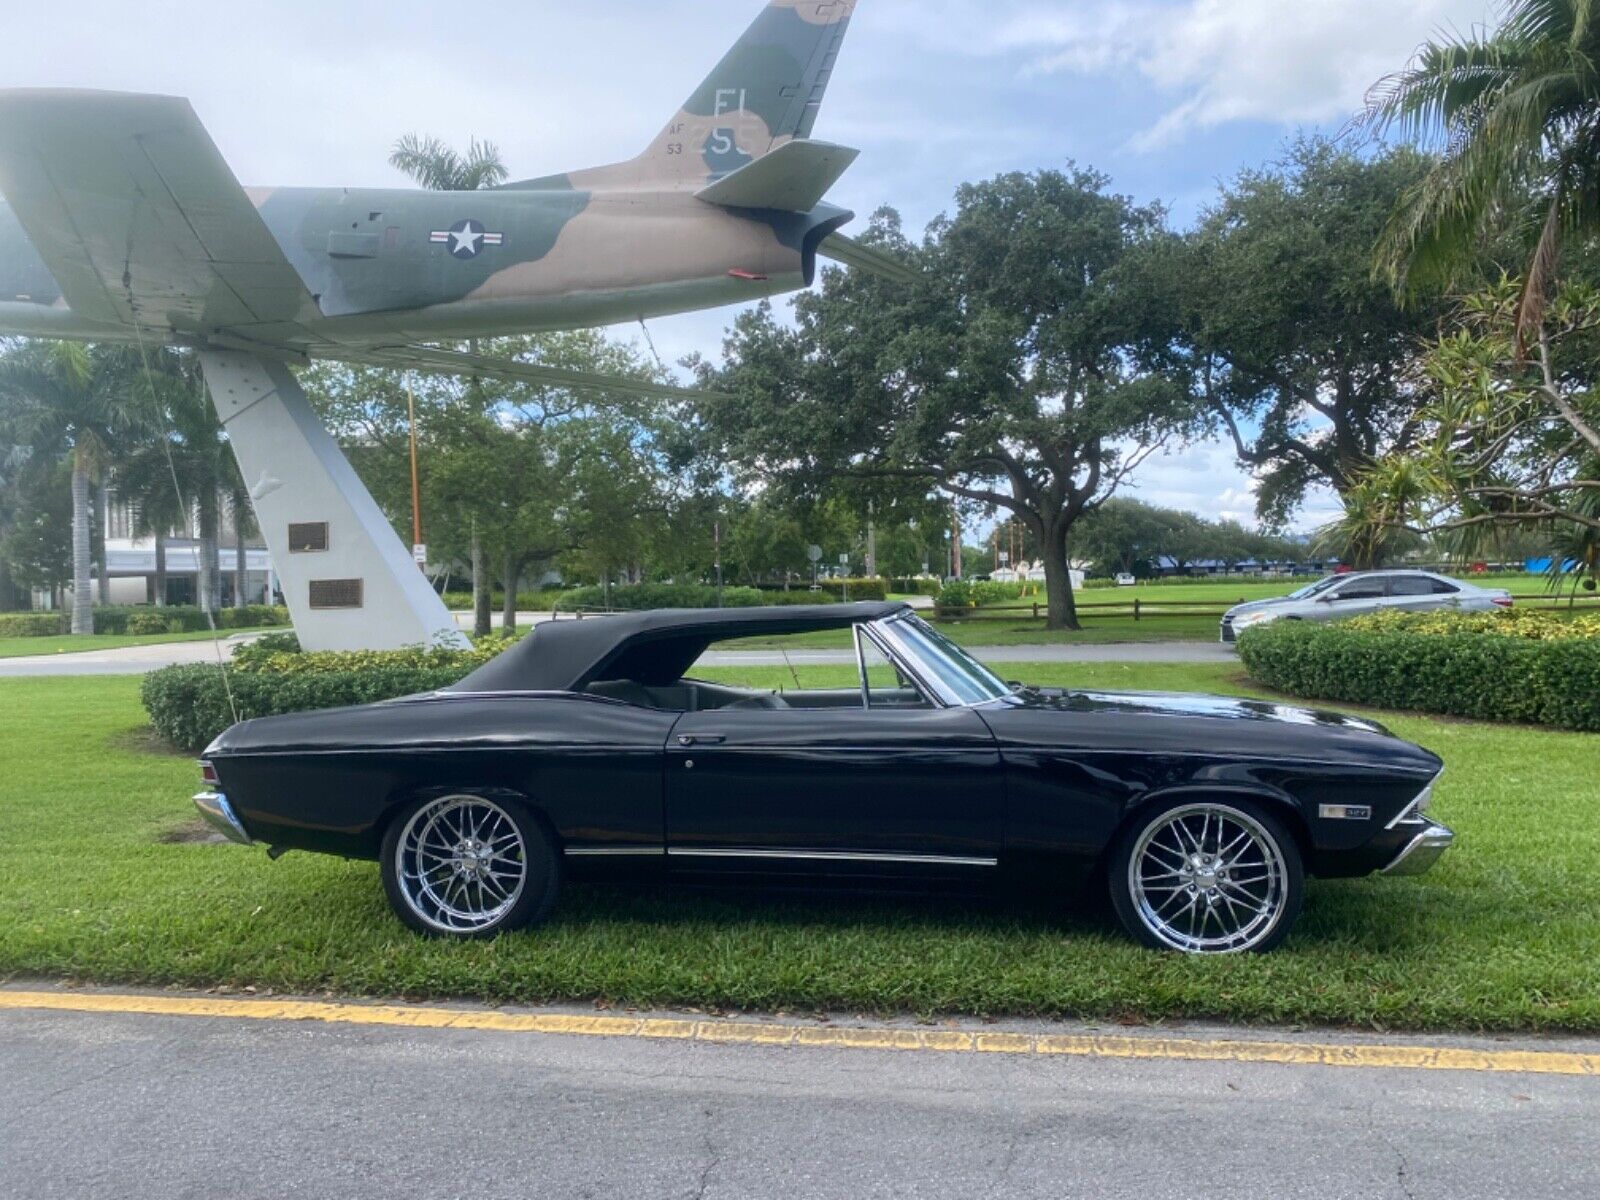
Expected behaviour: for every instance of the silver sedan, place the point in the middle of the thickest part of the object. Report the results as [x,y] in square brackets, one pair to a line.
[1341,596]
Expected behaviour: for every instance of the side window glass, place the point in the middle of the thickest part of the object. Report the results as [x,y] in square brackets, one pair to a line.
[1443,587]
[1412,585]
[1360,589]
[883,685]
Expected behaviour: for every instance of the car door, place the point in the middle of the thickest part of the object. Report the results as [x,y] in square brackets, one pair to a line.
[885,784]
[1363,594]
[1421,593]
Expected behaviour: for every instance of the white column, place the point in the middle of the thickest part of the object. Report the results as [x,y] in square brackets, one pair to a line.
[362,592]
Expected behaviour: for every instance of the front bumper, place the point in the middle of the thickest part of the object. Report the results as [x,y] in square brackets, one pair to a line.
[219,814]
[1426,844]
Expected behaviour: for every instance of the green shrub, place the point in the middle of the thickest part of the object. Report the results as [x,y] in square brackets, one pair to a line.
[143,623]
[641,597]
[955,594]
[798,596]
[26,625]
[1490,667]
[915,586]
[189,705]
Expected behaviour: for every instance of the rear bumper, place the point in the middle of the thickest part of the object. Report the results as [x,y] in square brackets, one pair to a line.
[1422,850]
[219,814]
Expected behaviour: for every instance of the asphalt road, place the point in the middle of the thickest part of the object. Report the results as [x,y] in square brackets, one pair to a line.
[136,1106]
[137,660]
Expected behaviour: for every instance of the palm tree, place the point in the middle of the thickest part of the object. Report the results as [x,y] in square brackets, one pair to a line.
[438,167]
[64,399]
[1515,117]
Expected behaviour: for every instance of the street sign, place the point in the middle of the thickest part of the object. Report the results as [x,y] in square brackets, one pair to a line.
[814,553]
[844,560]
[419,555]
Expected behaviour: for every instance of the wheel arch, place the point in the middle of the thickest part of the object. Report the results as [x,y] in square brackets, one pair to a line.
[404,798]
[1279,804]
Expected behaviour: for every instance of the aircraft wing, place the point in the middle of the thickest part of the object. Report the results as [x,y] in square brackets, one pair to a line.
[433,360]
[793,178]
[864,258]
[138,217]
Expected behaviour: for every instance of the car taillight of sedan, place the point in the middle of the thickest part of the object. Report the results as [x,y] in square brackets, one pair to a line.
[1502,601]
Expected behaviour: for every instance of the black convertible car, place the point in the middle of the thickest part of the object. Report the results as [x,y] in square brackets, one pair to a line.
[589,751]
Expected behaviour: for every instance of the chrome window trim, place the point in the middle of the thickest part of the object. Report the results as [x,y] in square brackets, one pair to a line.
[615,851]
[934,698]
[944,860]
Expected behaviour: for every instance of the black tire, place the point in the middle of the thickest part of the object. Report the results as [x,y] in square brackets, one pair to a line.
[1161,912]
[471,895]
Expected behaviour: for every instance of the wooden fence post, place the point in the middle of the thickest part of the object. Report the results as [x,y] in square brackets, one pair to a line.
[1136,608]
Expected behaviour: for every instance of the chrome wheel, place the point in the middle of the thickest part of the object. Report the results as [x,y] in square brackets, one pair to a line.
[1208,879]
[461,864]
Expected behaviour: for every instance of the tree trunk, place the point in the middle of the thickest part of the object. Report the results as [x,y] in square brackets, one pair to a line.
[207,572]
[104,590]
[508,609]
[161,570]
[82,598]
[241,575]
[1063,607]
[482,600]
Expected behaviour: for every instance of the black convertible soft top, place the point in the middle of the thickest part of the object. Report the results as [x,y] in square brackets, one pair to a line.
[652,648]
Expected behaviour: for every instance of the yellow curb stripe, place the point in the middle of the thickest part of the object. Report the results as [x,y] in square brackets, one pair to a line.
[750,1033]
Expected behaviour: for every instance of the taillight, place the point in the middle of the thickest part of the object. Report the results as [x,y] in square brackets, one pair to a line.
[1503,601]
[208,773]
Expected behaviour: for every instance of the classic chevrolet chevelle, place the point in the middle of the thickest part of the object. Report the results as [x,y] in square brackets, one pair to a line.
[588,751]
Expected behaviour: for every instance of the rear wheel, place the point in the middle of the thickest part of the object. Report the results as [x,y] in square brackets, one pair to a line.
[1208,878]
[469,866]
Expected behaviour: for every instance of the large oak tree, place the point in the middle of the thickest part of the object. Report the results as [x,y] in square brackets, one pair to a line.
[1013,375]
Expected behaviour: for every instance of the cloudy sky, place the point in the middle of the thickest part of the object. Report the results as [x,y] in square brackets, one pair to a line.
[1167,96]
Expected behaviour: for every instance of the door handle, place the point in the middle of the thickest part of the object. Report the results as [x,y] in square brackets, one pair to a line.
[701,739]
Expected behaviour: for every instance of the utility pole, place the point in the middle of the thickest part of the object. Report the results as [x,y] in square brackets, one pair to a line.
[872,543]
[716,535]
[416,491]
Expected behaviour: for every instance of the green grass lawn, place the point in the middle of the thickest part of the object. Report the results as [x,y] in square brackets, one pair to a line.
[67,644]
[992,631]
[98,883]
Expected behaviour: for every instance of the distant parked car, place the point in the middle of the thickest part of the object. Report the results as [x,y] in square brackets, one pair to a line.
[1126,580]
[1339,596]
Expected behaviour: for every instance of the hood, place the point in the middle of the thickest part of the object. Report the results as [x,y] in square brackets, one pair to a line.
[1238,610]
[1183,704]
[1215,726]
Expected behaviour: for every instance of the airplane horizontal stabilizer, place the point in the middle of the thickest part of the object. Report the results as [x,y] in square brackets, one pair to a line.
[793,178]
[135,213]
[433,360]
[864,258]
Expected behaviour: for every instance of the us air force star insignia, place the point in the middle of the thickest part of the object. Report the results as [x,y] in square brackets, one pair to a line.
[466,238]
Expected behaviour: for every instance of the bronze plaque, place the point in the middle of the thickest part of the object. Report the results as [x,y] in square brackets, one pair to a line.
[336,593]
[308,538]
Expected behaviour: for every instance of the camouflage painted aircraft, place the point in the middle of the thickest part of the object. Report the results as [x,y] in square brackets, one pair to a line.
[124,223]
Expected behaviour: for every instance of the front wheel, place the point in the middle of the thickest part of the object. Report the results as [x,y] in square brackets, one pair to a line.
[469,866]
[1208,878]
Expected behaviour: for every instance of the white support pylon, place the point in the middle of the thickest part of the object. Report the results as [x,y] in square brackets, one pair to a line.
[348,579]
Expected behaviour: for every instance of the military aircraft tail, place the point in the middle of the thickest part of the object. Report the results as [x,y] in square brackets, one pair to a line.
[764,93]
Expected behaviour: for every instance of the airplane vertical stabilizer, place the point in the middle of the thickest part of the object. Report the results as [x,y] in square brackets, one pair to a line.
[765,92]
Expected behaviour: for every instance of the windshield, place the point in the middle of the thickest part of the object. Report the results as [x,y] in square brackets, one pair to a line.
[956,675]
[1314,589]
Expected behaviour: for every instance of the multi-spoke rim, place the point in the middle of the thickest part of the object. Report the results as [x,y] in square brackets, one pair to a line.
[1208,879]
[461,863]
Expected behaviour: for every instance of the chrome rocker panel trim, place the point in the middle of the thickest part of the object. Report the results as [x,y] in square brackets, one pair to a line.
[219,814]
[1423,850]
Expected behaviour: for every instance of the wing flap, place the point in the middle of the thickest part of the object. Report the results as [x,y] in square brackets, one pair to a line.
[433,360]
[135,212]
[793,178]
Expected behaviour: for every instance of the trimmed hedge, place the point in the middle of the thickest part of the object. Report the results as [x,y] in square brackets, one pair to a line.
[1524,667]
[188,705]
[25,625]
[144,620]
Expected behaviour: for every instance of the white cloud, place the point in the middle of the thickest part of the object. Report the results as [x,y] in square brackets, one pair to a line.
[1287,62]
[1206,478]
